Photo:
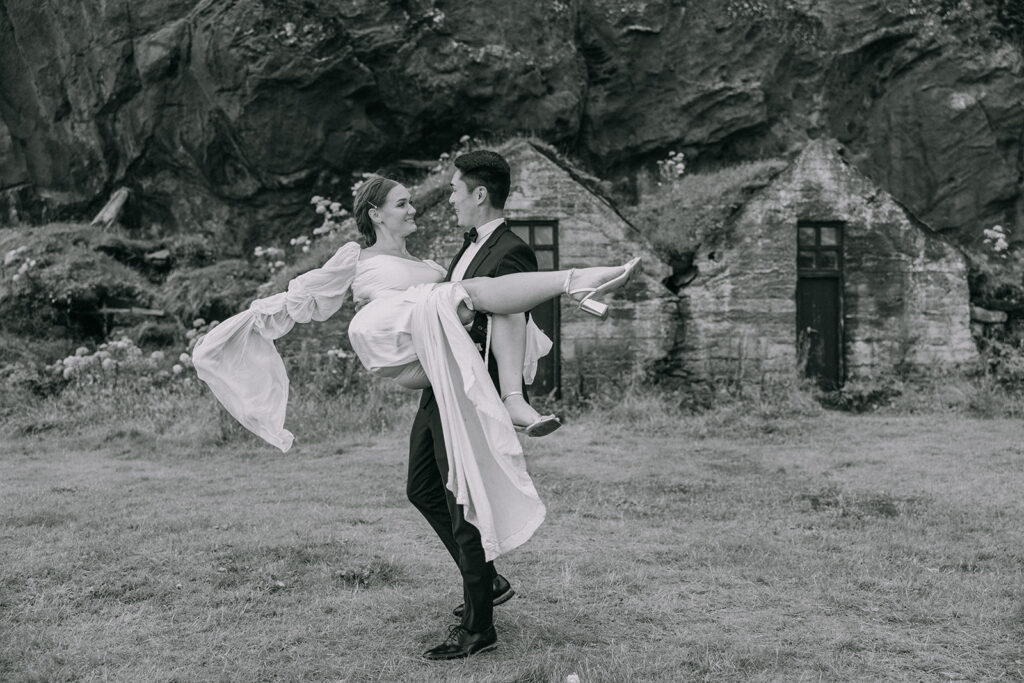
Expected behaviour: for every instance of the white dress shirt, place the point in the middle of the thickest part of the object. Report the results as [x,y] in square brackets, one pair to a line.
[483,233]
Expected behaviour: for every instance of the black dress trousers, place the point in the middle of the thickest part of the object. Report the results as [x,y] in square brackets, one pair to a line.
[428,472]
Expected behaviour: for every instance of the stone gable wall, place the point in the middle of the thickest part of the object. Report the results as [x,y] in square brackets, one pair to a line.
[905,296]
[641,323]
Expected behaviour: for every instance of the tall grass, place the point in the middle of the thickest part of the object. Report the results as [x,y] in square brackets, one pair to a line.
[332,396]
[185,412]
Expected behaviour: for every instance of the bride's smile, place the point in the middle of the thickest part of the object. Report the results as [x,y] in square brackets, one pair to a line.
[396,214]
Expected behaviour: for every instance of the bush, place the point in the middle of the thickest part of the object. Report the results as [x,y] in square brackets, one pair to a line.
[1003,362]
[861,396]
[1010,20]
[996,282]
[217,291]
[157,257]
[42,287]
[192,251]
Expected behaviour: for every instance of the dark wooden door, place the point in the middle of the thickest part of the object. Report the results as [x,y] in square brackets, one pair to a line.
[542,236]
[817,315]
[819,301]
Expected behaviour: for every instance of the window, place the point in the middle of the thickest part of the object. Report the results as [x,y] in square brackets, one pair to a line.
[542,236]
[819,248]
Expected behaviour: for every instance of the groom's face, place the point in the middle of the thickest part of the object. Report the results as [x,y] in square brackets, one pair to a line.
[465,201]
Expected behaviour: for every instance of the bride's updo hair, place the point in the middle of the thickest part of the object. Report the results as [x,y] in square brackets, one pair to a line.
[371,195]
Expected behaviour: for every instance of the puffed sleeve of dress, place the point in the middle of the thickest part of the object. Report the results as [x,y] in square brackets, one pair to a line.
[239,362]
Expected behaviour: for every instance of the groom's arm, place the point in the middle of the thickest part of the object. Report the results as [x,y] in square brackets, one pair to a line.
[519,259]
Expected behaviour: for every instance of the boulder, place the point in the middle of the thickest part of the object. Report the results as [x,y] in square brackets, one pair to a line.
[983,315]
[227,116]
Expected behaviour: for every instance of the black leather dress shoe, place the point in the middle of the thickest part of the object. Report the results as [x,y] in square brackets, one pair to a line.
[501,592]
[462,643]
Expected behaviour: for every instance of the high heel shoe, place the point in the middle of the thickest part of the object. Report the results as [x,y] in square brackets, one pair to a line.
[543,426]
[588,303]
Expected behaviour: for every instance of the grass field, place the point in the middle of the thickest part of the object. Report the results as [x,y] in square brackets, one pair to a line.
[828,547]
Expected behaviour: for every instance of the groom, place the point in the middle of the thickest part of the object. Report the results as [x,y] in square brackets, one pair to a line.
[479,188]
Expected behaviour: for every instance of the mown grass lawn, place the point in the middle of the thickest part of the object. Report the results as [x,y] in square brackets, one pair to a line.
[832,547]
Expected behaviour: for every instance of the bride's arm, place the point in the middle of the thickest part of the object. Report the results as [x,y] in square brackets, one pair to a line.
[319,293]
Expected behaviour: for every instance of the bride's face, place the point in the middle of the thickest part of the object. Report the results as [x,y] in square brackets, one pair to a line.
[397,213]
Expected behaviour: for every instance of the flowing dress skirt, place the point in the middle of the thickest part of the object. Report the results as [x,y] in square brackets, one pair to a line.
[486,469]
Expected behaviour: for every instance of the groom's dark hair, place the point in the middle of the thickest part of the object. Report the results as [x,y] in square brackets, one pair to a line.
[487,168]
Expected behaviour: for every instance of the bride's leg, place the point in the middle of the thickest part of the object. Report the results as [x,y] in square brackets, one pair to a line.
[508,343]
[465,313]
[521,292]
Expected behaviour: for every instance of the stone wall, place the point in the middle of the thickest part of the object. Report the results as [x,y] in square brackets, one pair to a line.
[905,296]
[591,232]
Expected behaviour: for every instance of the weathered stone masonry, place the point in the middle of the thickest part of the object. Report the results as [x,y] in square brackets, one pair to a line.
[905,299]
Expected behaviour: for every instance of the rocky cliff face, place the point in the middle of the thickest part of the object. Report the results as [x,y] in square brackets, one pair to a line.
[226,115]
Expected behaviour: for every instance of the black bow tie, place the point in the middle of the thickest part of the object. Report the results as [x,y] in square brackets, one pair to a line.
[471,235]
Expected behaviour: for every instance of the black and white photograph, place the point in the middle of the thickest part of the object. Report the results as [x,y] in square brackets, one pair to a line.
[552,341]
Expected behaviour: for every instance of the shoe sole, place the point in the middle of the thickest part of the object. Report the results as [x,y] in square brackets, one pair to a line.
[500,600]
[544,427]
[485,648]
[503,598]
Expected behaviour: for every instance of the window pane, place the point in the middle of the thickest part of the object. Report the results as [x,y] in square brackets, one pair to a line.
[544,234]
[829,237]
[545,260]
[828,259]
[522,232]
[806,237]
[805,259]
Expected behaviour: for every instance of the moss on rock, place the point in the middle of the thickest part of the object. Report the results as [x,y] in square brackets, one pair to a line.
[212,292]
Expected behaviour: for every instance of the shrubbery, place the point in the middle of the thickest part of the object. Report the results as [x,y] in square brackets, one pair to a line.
[215,291]
[42,288]
[685,211]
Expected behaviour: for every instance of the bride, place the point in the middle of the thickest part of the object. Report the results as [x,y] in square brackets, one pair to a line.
[410,328]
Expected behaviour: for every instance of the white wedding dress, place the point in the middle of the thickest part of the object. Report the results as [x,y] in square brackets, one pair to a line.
[408,330]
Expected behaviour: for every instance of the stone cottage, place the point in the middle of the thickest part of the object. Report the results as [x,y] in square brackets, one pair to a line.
[562,213]
[824,270]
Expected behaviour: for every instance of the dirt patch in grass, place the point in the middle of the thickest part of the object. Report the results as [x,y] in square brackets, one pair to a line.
[43,517]
[130,589]
[834,500]
[275,567]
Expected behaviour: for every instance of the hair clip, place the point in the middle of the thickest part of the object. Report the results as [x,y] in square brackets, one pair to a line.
[371,204]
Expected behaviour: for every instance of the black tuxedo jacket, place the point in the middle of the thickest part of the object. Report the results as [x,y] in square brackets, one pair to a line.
[503,253]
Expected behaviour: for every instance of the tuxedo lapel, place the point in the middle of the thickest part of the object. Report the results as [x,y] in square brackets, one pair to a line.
[451,266]
[485,250]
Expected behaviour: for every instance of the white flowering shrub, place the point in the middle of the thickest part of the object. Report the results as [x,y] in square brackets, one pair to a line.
[13,255]
[465,144]
[121,362]
[995,238]
[272,257]
[338,354]
[337,223]
[996,274]
[19,261]
[673,167]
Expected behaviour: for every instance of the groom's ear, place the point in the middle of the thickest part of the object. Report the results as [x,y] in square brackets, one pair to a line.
[480,194]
